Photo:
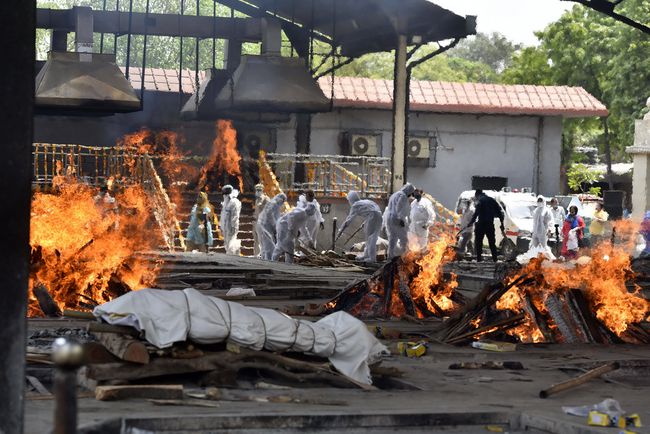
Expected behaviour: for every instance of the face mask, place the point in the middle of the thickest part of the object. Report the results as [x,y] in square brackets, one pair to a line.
[417,197]
[540,204]
[258,194]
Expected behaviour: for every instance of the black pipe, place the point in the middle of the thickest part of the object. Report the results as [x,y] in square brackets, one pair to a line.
[128,40]
[144,54]
[334,221]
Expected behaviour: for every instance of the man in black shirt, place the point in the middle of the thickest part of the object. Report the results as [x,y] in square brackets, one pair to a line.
[487,209]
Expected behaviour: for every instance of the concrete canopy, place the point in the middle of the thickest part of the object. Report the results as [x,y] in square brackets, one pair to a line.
[365,26]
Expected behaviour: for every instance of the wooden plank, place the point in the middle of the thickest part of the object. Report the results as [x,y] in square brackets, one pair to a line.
[153,391]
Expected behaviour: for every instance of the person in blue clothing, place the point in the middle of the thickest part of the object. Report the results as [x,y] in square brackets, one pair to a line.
[199,233]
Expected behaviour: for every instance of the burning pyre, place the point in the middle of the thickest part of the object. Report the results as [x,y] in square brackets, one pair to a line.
[412,285]
[82,244]
[594,299]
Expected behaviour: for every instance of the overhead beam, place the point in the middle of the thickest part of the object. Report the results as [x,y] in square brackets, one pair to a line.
[192,26]
[607,8]
[253,11]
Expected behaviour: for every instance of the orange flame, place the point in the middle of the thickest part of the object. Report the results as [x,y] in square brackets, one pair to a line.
[82,245]
[164,147]
[224,157]
[602,278]
[430,276]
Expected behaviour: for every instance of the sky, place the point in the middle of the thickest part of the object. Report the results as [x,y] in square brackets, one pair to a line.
[516,19]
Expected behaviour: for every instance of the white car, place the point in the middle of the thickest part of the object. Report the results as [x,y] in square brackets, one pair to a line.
[518,211]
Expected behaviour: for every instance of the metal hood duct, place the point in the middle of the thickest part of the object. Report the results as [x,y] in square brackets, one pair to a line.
[201,105]
[270,83]
[84,82]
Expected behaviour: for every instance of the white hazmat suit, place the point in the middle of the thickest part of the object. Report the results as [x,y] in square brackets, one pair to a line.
[229,222]
[265,225]
[542,221]
[371,214]
[423,215]
[396,220]
[309,234]
[287,230]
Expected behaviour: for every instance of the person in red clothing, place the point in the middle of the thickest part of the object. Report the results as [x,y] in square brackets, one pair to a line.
[572,233]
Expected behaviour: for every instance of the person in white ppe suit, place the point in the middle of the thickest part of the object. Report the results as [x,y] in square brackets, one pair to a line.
[309,235]
[422,217]
[265,225]
[396,220]
[261,200]
[229,221]
[542,221]
[466,211]
[287,230]
[371,214]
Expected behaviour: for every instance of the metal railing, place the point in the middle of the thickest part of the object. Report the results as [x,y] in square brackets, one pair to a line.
[95,166]
[331,175]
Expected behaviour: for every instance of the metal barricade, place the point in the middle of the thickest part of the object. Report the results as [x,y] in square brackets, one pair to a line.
[332,175]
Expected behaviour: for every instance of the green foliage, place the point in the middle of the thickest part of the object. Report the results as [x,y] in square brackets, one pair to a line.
[580,177]
[494,50]
[607,58]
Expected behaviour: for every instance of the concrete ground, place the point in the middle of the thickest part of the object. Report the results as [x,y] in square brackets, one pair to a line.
[455,401]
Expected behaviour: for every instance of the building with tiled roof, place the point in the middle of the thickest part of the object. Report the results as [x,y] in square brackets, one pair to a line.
[469,135]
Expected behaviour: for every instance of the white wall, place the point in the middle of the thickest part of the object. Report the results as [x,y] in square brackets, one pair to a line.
[468,145]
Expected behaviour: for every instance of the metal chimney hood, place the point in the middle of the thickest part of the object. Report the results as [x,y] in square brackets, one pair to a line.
[205,109]
[84,82]
[270,83]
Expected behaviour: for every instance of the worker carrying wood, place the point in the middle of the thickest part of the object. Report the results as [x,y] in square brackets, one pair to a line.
[288,229]
[396,220]
[265,225]
[371,214]
[309,235]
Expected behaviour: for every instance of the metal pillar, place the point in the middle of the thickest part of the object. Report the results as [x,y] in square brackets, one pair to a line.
[83,29]
[231,54]
[16,122]
[59,40]
[400,93]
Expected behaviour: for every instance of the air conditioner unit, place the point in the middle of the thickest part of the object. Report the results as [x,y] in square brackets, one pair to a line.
[418,147]
[256,140]
[365,145]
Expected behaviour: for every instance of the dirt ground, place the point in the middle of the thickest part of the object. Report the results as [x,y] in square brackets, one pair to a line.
[475,400]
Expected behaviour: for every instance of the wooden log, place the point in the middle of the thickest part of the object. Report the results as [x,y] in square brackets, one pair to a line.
[567,329]
[153,391]
[124,347]
[499,325]
[78,314]
[581,379]
[592,324]
[100,327]
[537,317]
[45,301]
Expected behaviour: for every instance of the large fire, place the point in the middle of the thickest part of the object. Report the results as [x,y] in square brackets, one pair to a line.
[413,285]
[602,278]
[224,157]
[174,165]
[83,244]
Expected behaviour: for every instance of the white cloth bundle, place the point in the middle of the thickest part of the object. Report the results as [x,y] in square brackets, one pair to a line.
[166,317]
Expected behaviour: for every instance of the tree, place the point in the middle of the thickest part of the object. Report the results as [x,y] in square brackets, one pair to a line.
[580,177]
[607,58]
[494,50]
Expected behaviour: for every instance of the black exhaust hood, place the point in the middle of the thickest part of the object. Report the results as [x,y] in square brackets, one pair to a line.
[83,82]
[269,83]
